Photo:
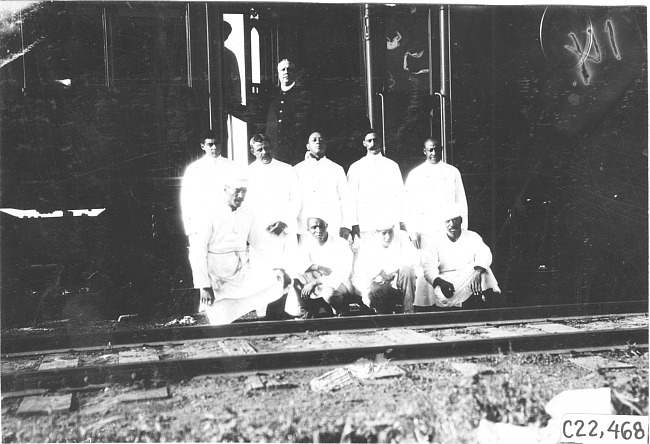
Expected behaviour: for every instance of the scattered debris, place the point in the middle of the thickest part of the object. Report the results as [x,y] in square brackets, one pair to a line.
[364,368]
[255,382]
[375,367]
[470,369]
[145,395]
[186,320]
[45,405]
[626,405]
[597,363]
[391,371]
[332,380]
[102,423]
[261,381]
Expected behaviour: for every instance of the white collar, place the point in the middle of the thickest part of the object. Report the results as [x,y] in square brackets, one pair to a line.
[309,156]
[287,88]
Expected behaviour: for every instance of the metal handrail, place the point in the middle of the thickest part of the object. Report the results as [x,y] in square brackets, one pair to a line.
[383,124]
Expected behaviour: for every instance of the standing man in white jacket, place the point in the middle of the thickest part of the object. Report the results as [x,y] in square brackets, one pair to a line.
[203,179]
[274,199]
[376,187]
[324,189]
[430,187]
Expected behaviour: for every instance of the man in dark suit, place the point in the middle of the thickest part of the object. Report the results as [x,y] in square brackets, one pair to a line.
[290,115]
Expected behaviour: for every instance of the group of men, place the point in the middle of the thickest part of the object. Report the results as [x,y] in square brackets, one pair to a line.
[307,240]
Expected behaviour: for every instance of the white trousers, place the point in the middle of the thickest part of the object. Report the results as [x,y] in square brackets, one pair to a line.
[426,295]
[238,288]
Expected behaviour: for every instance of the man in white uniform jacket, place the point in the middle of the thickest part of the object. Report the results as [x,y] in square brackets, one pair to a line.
[324,189]
[274,199]
[376,187]
[323,265]
[430,187]
[229,287]
[456,265]
[202,181]
[384,269]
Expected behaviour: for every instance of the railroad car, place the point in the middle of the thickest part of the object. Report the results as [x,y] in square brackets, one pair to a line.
[542,109]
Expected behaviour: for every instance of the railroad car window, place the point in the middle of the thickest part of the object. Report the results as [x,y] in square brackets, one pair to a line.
[62,44]
[149,44]
[255,60]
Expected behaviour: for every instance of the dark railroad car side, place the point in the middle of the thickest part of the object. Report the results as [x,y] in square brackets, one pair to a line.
[542,109]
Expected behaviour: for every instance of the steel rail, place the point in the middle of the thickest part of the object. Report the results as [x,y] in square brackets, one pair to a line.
[43,342]
[421,326]
[178,369]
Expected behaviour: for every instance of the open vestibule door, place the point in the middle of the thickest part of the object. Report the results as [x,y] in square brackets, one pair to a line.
[406,57]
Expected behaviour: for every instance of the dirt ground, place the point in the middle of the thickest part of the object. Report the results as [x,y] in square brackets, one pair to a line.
[442,401]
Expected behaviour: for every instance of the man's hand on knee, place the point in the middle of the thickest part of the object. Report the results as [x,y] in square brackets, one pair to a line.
[475,281]
[207,296]
[447,288]
[308,289]
[277,228]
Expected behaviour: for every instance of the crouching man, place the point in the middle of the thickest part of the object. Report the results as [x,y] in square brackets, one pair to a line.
[323,264]
[384,270]
[456,267]
[229,287]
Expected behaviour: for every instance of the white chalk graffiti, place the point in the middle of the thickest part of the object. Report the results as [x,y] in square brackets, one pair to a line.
[591,50]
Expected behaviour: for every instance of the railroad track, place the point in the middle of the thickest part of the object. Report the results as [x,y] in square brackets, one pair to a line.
[59,341]
[241,348]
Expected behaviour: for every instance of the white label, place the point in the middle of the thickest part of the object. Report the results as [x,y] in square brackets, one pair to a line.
[582,428]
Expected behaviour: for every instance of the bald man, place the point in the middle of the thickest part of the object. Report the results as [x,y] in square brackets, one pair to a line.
[290,115]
